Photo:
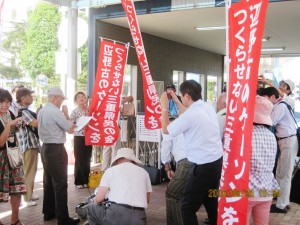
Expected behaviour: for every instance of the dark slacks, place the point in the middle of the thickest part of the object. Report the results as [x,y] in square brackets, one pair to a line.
[83,154]
[201,178]
[55,162]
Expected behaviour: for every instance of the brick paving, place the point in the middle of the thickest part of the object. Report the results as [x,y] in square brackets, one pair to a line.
[155,213]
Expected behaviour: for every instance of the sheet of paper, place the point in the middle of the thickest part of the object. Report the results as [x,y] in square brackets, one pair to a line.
[82,122]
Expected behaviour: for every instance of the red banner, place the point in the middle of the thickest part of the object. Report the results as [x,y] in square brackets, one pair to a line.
[151,100]
[105,106]
[246,26]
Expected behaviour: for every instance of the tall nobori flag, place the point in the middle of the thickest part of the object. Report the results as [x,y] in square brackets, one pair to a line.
[152,104]
[105,106]
[246,27]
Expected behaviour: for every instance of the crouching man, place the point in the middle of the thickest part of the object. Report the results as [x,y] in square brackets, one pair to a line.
[128,187]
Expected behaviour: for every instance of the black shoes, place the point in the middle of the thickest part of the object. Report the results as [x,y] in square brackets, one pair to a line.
[69,221]
[206,221]
[275,209]
[48,217]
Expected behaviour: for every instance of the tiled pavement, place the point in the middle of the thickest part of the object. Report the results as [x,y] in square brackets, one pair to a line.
[155,212]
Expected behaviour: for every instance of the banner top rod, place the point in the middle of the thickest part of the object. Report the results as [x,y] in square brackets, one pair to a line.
[127,44]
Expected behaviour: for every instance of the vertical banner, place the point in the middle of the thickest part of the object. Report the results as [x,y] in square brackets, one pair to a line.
[246,27]
[105,106]
[151,100]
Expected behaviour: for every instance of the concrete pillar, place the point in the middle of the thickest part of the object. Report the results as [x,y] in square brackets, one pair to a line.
[71,56]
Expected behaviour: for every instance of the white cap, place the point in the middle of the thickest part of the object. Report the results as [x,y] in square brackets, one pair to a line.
[290,83]
[56,91]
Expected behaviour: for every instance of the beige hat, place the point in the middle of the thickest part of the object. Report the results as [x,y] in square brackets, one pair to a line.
[262,111]
[126,153]
[56,91]
[290,83]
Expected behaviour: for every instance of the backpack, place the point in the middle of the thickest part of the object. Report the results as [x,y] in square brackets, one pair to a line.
[30,128]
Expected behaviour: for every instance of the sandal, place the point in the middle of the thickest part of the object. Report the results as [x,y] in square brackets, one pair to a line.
[17,223]
[79,186]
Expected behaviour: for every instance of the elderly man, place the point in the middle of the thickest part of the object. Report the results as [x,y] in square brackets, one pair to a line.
[128,188]
[288,146]
[173,147]
[52,126]
[28,142]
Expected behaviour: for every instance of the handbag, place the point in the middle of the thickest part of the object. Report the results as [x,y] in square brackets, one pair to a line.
[14,155]
[128,109]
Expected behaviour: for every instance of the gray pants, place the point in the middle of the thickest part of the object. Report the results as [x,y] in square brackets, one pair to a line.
[115,215]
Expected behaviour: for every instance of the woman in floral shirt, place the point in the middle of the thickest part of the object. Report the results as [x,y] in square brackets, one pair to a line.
[82,152]
[11,180]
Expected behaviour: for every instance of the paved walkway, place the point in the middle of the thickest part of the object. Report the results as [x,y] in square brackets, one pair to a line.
[155,213]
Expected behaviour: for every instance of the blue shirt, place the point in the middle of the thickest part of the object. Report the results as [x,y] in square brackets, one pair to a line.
[173,109]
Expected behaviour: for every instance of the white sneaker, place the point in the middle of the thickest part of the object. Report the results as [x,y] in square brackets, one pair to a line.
[31,203]
[35,198]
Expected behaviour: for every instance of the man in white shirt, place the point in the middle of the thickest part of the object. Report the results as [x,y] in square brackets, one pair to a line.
[173,147]
[288,146]
[199,124]
[127,186]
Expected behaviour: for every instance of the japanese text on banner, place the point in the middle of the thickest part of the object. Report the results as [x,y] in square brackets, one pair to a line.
[246,25]
[105,106]
[152,104]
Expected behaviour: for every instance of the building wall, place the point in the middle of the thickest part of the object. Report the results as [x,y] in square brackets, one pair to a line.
[163,55]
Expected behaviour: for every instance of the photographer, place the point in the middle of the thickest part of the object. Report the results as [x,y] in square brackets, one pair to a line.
[173,108]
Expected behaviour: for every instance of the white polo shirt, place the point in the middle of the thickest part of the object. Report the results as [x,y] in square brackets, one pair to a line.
[200,127]
[128,184]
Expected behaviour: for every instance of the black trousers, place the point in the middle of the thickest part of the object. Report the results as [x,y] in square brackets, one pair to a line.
[201,179]
[55,162]
[83,154]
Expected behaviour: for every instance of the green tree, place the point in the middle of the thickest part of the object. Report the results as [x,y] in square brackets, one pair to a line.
[38,56]
[12,43]
[82,77]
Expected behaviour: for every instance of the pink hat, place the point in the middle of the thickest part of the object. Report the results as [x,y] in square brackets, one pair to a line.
[262,111]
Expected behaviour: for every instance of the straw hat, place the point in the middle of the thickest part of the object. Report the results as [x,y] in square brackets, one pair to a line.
[126,153]
[262,111]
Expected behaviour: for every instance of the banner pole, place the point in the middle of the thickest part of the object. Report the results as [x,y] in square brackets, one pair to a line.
[108,39]
[227,59]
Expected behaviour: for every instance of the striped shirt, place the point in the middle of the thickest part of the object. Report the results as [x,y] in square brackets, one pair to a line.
[26,138]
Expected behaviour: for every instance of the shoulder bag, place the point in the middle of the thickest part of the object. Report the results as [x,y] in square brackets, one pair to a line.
[298,128]
[14,155]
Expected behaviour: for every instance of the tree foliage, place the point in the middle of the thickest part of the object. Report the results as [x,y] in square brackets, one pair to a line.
[12,43]
[82,78]
[10,72]
[38,56]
